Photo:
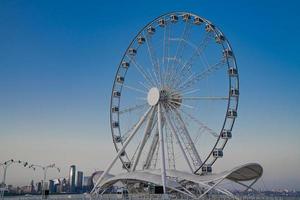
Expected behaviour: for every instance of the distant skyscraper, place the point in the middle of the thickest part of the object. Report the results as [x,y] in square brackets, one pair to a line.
[79,181]
[72,175]
[87,183]
[86,180]
[63,186]
[51,186]
[39,187]
[32,186]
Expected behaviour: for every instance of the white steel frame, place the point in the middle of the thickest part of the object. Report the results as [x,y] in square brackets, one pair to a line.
[165,104]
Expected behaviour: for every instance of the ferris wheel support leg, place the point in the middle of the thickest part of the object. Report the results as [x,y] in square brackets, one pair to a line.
[162,149]
[151,151]
[219,189]
[147,133]
[195,156]
[178,142]
[249,186]
[211,187]
[134,131]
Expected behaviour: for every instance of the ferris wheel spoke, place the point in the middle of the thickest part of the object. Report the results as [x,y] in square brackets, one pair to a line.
[185,68]
[180,50]
[133,108]
[129,130]
[167,36]
[174,132]
[147,134]
[153,75]
[192,80]
[171,71]
[204,98]
[174,94]
[165,52]
[142,71]
[152,150]
[170,147]
[181,46]
[198,50]
[181,104]
[189,91]
[153,58]
[144,86]
[201,124]
[126,134]
[187,140]
[142,98]
[134,89]
[133,156]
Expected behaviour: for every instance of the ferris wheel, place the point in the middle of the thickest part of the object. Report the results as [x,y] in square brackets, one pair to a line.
[175,96]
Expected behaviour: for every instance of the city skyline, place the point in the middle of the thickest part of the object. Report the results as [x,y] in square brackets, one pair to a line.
[36,174]
[56,185]
[58,61]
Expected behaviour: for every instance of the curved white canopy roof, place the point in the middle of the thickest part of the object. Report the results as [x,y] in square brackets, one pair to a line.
[143,176]
[245,172]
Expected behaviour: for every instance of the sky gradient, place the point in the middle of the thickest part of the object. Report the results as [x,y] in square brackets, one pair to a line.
[58,60]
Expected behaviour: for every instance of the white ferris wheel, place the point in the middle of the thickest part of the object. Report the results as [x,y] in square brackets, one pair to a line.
[173,106]
[177,88]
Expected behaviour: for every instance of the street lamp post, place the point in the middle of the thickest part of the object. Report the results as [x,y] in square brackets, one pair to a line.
[5,166]
[45,169]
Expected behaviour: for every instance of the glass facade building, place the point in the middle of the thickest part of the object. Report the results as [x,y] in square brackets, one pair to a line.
[72,174]
[79,181]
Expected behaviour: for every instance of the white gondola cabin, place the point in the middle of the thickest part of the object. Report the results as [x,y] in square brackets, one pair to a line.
[116,93]
[120,79]
[219,39]
[206,168]
[117,138]
[218,153]
[174,18]
[151,30]
[125,64]
[209,27]
[115,109]
[115,124]
[186,17]
[232,71]
[161,22]
[198,20]
[132,51]
[227,53]
[141,40]
[234,92]
[231,113]
[226,134]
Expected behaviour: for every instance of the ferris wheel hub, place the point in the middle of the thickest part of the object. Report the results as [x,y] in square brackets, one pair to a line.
[164,96]
[153,96]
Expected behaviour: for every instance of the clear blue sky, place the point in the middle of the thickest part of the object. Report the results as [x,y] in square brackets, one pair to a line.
[58,59]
